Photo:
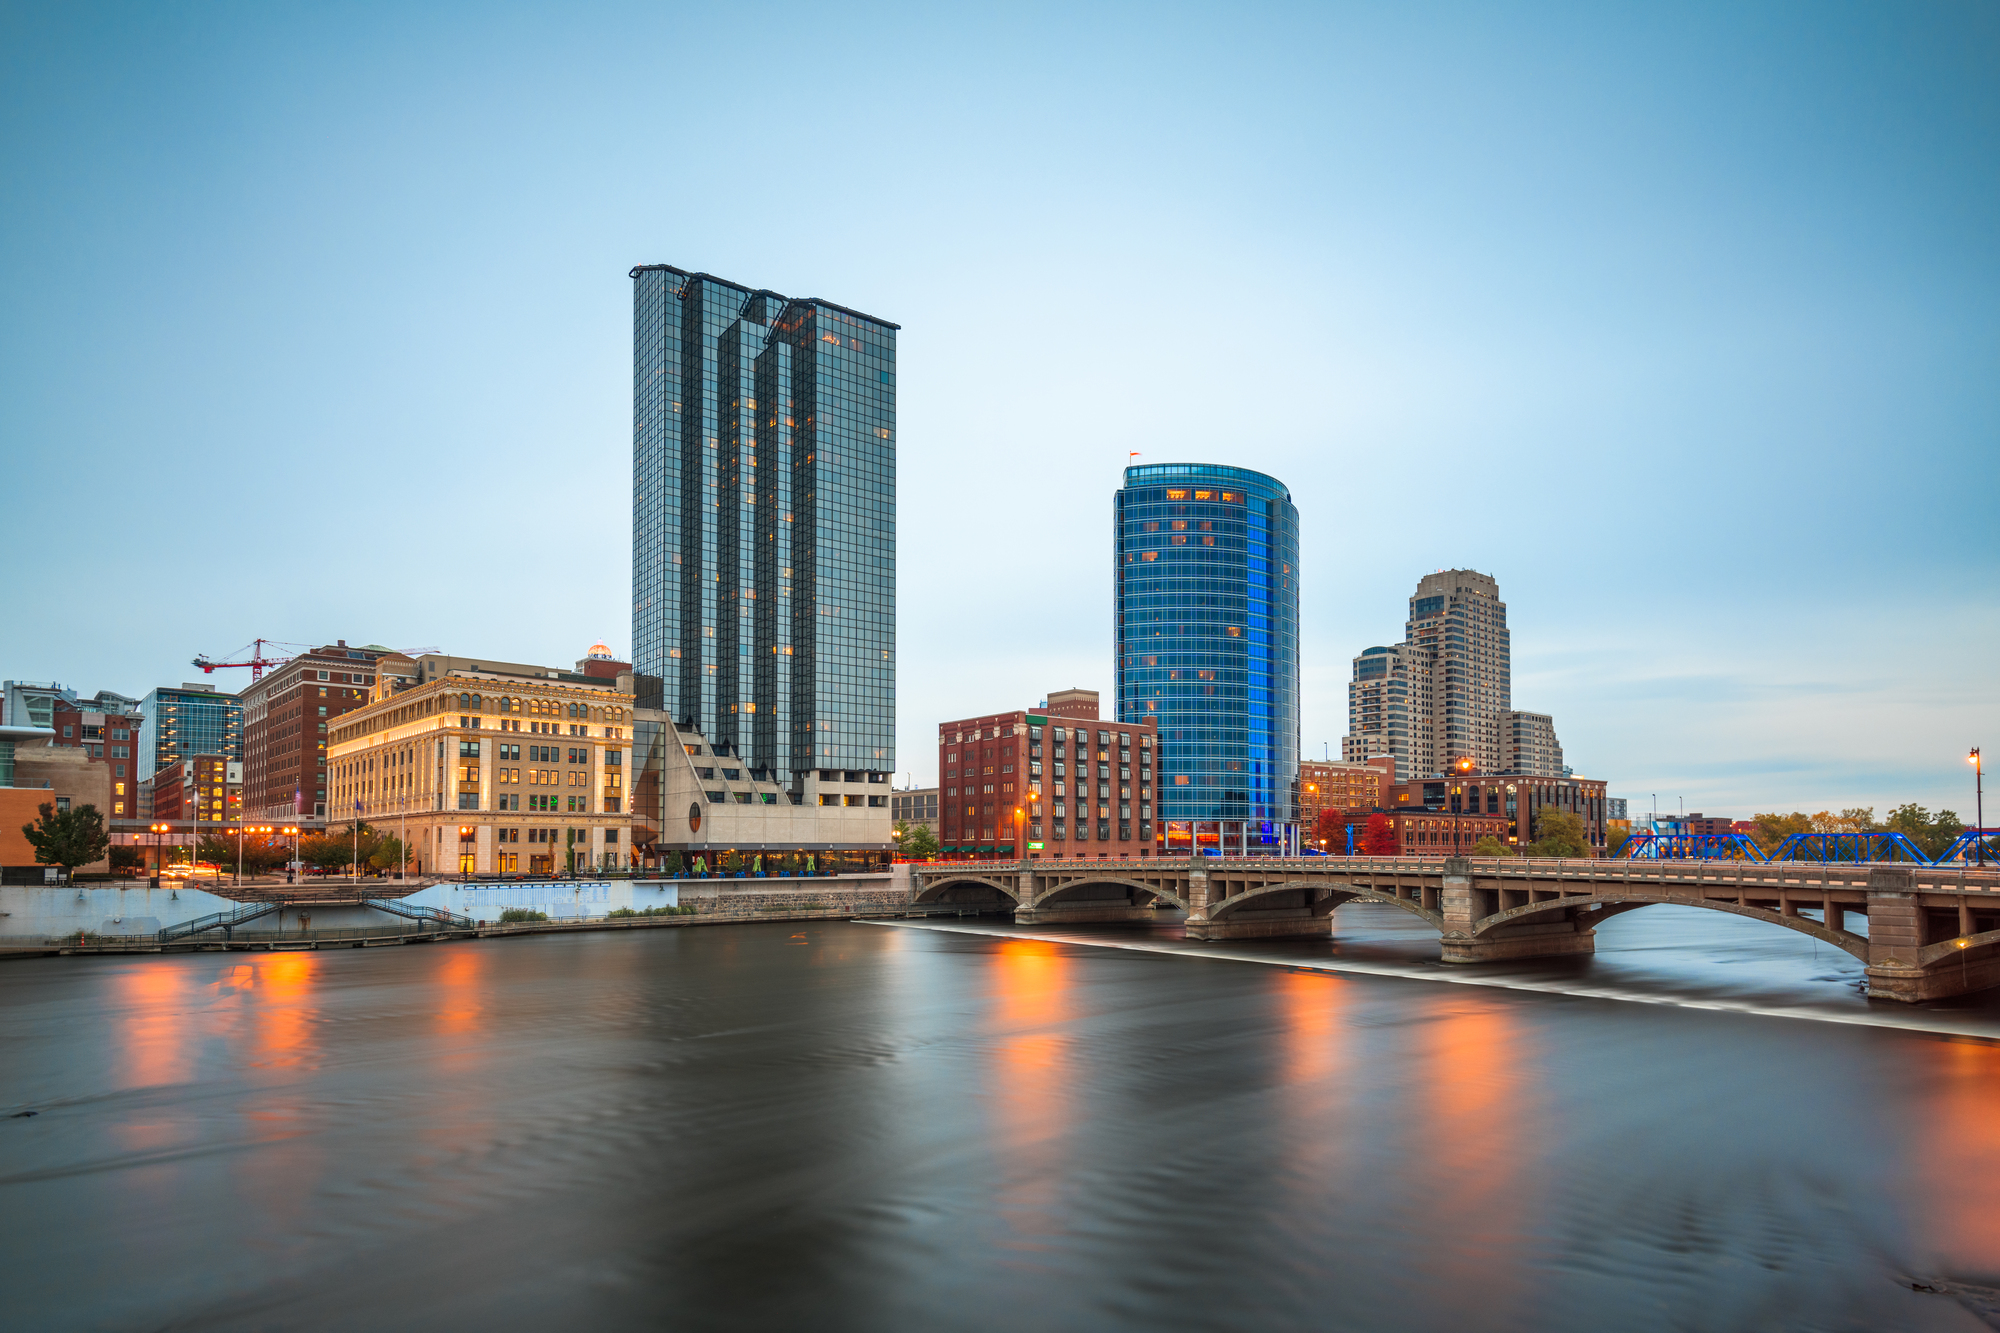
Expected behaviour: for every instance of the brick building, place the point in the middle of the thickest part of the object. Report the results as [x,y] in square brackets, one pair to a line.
[1436,832]
[1339,785]
[285,719]
[1068,783]
[208,788]
[1517,799]
[106,729]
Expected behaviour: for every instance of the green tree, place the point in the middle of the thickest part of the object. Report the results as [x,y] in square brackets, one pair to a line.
[1615,840]
[1559,833]
[1933,833]
[1859,818]
[67,838]
[1491,846]
[127,858]
[1773,829]
[328,852]
[385,853]
[915,841]
[216,850]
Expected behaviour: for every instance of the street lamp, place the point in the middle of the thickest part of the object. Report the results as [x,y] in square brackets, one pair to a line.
[158,831]
[1020,835]
[1978,803]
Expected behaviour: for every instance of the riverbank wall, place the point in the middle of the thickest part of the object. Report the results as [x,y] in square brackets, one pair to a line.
[93,919]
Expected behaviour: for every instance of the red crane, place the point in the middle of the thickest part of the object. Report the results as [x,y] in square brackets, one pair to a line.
[253,657]
[255,660]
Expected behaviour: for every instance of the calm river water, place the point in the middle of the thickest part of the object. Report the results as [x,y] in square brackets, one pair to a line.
[861,1126]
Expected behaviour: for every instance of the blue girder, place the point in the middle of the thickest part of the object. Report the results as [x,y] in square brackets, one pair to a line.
[1965,849]
[1692,847]
[1858,848]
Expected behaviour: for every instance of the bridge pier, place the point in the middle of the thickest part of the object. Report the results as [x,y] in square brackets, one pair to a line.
[1904,962]
[1464,905]
[1272,916]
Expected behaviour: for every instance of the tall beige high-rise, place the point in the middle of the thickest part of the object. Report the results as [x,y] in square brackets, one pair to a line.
[1444,694]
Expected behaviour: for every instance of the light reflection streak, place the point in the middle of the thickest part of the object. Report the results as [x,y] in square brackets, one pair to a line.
[1477,1126]
[1029,1109]
[1958,1156]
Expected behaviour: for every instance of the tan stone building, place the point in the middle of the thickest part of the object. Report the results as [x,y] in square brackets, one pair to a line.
[494,768]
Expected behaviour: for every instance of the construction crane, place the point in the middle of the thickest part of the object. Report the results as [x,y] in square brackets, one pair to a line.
[254,658]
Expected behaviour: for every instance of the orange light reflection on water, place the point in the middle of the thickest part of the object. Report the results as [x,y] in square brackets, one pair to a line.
[284,1009]
[1958,1157]
[1026,1079]
[1477,1122]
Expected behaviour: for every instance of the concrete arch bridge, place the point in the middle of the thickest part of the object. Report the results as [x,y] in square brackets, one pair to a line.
[1930,931]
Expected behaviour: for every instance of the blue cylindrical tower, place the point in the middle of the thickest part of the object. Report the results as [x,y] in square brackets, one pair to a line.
[1207,630]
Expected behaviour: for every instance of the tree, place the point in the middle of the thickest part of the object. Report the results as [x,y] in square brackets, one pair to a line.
[1491,846]
[1933,833]
[67,838]
[1330,831]
[1773,829]
[1559,833]
[1859,819]
[1614,842]
[127,858]
[1379,838]
[328,852]
[915,842]
[385,853]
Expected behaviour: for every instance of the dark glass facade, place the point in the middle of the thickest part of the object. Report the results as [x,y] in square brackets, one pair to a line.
[180,724]
[764,521]
[1207,627]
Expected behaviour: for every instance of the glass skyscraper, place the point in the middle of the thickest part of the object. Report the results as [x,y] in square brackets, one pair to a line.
[182,723]
[1207,625]
[764,522]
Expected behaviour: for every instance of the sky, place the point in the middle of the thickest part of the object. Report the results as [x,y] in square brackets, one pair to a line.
[1681,321]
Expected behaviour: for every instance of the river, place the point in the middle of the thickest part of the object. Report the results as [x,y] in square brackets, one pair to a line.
[905,1126]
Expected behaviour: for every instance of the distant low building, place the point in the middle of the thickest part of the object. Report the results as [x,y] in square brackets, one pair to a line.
[1614,808]
[1516,798]
[917,805]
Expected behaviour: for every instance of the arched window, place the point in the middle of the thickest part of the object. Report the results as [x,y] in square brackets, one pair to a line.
[477,706]
[465,701]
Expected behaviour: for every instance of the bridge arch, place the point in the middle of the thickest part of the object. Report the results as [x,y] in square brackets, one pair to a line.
[934,891]
[1056,894]
[1616,904]
[1972,946]
[1342,893]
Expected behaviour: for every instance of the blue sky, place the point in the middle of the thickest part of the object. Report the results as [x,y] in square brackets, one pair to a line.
[1682,323]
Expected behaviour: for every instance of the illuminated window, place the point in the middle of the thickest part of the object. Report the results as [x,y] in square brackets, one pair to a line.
[1177,495]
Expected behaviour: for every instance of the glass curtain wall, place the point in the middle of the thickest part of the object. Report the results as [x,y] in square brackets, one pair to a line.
[1206,625]
[764,521]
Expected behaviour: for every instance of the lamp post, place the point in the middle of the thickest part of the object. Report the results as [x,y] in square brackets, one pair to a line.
[292,867]
[1020,835]
[159,832]
[1978,803]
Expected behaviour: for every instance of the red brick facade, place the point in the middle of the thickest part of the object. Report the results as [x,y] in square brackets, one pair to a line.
[1044,784]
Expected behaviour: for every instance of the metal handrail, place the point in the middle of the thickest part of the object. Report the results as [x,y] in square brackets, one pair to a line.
[224,921]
